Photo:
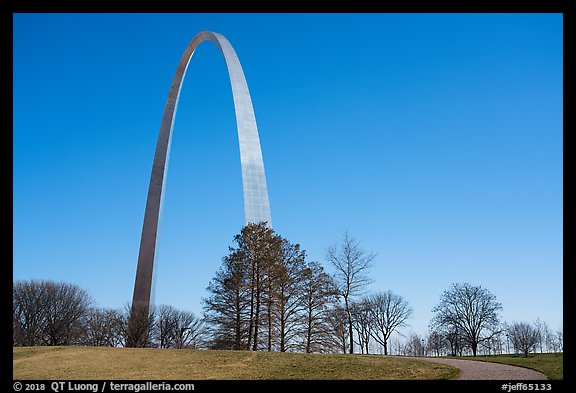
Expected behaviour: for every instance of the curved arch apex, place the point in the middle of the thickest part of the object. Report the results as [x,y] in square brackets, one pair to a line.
[255,190]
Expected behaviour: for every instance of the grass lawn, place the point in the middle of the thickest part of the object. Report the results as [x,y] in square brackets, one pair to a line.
[551,364]
[147,363]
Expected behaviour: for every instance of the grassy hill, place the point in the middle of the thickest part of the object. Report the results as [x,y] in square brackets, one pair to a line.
[147,363]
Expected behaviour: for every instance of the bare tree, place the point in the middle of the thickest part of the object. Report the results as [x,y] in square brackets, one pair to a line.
[362,320]
[548,338]
[351,263]
[470,311]
[66,305]
[337,324]
[540,326]
[318,295]
[548,341]
[102,327]
[28,302]
[140,326]
[437,342]
[415,345]
[524,337]
[48,313]
[452,340]
[167,326]
[559,340]
[118,327]
[191,331]
[495,344]
[178,329]
[389,312]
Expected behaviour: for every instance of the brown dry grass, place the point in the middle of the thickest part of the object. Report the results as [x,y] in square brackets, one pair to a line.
[166,364]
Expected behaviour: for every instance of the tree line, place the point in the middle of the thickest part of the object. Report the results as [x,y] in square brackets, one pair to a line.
[513,338]
[54,314]
[267,296]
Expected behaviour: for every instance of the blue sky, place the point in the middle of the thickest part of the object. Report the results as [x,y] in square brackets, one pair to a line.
[434,139]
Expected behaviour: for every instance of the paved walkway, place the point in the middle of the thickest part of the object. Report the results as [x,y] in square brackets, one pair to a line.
[472,369]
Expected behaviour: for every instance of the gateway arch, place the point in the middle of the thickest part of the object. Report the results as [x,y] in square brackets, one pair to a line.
[256,204]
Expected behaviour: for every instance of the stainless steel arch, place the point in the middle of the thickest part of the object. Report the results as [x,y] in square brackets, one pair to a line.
[256,203]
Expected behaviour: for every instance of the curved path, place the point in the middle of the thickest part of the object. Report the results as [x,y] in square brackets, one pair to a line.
[473,369]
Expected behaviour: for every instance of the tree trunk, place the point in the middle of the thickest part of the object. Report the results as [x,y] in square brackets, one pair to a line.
[251,323]
[308,337]
[257,313]
[350,328]
[269,325]
[238,327]
[282,328]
